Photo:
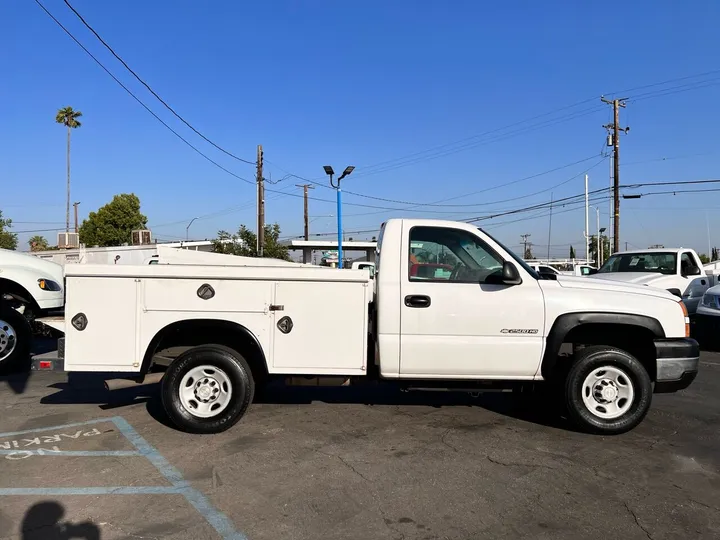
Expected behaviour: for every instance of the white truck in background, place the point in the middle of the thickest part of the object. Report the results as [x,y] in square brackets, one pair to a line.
[477,317]
[29,288]
[679,271]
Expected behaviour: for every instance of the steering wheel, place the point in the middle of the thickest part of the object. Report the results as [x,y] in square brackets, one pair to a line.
[455,271]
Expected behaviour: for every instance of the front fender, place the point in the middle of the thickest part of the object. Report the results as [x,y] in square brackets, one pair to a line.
[566,322]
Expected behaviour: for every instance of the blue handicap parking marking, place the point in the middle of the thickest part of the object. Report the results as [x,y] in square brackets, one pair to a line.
[179,486]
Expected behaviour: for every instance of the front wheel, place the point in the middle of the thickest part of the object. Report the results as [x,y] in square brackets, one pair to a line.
[15,340]
[207,389]
[607,391]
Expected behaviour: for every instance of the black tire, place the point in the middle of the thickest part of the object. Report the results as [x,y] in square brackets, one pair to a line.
[15,333]
[218,356]
[589,360]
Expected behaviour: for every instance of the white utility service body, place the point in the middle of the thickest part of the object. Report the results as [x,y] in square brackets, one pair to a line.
[491,319]
[328,310]
[679,271]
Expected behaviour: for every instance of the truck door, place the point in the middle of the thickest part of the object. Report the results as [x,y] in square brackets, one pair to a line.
[696,284]
[454,323]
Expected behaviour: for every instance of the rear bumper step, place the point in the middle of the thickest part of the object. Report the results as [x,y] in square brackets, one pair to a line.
[50,361]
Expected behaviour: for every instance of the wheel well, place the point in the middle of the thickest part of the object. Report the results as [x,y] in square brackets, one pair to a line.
[636,340]
[180,336]
[18,292]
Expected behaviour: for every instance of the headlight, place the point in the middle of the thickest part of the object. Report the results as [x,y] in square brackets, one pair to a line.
[711,301]
[49,285]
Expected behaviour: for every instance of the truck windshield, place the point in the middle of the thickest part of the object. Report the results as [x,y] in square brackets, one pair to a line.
[510,252]
[657,262]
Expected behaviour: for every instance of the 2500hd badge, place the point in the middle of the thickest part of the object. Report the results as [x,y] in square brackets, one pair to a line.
[519,331]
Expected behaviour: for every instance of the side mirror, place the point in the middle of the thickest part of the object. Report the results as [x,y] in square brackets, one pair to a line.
[692,271]
[510,274]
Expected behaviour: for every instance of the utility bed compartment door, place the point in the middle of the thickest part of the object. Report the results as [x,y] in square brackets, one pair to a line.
[320,327]
[108,340]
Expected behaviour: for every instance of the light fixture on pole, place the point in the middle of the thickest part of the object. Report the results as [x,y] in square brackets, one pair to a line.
[187,229]
[330,172]
[600,231]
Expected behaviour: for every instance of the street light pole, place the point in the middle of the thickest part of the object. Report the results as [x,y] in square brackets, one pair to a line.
[330,172]
[187,229]
[598,245]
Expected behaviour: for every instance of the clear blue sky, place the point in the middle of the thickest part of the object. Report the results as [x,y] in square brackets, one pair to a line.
[327,82]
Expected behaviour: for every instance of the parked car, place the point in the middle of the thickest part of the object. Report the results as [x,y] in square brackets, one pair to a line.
[707,323]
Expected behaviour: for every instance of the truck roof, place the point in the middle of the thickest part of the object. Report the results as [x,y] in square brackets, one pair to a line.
[653,250]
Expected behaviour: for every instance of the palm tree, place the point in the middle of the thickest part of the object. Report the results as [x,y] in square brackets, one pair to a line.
[69,118]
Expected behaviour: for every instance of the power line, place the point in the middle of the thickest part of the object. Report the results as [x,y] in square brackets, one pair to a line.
[467,146]
[35,230]
[161,100]
[137,98]
[444,149]
[489,203]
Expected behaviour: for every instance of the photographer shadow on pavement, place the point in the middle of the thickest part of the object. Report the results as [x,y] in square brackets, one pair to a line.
[43,521]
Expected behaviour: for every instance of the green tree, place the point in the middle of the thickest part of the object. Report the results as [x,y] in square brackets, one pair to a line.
[605,248]
[244,243]
[704,258]
[528,252]
[38,243]
[714,256]
[8,240]
[69,118]
[113,224]
[572,252]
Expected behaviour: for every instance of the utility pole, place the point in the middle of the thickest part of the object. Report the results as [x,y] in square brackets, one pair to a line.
[75,205]
[305,207]
[260,203]
[526,243]
[616,129]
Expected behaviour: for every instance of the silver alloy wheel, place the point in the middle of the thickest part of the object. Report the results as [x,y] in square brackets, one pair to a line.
[205,391]
[608,392]
[8,340]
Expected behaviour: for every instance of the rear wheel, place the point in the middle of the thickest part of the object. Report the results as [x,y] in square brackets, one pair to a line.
[15,341]
[607,391]
[207,389]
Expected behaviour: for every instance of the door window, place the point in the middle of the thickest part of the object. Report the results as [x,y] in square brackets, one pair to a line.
[446,254]
[686,262]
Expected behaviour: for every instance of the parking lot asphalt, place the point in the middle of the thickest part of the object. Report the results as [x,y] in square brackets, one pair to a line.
[352,463]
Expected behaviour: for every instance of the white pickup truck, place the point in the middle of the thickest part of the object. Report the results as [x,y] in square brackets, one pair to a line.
[29,288]
[227,324]
[679,271]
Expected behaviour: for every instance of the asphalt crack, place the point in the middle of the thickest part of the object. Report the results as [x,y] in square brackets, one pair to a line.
[444,441]
[520,464]
[346,463]
[705,505]
[637,521]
